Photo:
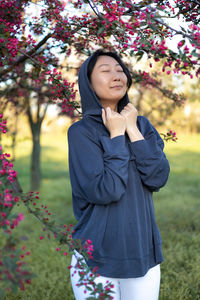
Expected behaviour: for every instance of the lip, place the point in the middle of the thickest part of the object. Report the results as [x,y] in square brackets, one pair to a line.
[116,86]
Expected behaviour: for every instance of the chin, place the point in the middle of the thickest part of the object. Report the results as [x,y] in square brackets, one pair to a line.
[119,96]
[113,98]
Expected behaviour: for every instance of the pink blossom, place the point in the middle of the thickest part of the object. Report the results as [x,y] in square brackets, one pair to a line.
[180,44]
[8,197]
[20,217]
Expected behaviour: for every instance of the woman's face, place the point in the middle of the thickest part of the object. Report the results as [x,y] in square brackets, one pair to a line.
[108,80]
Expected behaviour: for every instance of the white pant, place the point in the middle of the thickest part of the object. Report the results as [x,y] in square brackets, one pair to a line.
[141,288]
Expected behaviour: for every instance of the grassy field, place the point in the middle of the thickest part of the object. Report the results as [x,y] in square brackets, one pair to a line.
[177,210]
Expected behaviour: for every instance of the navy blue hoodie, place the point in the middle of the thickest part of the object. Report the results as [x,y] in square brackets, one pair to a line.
[112,184]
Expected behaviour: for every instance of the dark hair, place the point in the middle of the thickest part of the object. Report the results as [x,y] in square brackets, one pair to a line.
[101,52]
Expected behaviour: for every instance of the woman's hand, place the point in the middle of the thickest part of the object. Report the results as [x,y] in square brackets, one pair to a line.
[130,114]
[114,122]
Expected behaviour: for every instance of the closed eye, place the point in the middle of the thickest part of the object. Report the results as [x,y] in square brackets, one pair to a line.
[106,71]
[109,71]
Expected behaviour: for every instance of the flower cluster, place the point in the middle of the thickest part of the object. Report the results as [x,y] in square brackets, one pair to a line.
[7,167]
[2,124]
[189,9]
[169,136]
[87,278]
[12,267]
[12,264]
[62,89]
[11,21]
[145,79]
[89,248]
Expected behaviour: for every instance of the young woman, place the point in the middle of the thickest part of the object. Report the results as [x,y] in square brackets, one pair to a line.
[116,162]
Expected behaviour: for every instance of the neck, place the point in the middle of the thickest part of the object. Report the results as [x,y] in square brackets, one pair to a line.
[113,106]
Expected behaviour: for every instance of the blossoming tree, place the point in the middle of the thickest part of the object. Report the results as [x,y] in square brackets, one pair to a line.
[33,35]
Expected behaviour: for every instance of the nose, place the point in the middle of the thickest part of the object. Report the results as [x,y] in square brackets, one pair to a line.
[116,76]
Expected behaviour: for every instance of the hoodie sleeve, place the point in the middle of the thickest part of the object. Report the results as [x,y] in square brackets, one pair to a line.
[150,159]
[98,172]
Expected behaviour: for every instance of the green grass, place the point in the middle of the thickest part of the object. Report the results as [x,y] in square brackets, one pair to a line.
[178,215]
[177,211]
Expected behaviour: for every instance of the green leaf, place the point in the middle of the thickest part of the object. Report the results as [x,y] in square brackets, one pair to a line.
[99,287]
[140,55]
[194,53]
[153,27]
[172,53]
[101,29]
[183,29]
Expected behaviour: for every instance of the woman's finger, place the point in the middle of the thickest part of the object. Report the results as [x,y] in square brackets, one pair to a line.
[130,105]
[108,112]
[103,115]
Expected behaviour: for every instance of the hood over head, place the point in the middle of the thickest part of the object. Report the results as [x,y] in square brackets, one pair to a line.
[91,106]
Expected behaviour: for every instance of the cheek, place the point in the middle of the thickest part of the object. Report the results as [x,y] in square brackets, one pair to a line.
[100,83]
[125,79]
[103,80]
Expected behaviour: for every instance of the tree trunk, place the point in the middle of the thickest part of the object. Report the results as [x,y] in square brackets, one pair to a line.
[35,125]
[14,136]
[35,158]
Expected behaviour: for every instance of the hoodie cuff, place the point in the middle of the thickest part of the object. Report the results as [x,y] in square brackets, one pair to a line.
[115,146]
[144,149]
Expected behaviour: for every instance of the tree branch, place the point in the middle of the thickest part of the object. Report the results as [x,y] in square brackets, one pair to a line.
[93,7]
[173,29]
[29,114]
[196,2]
[44,113]
[169,27]
[38,109]
[26,55]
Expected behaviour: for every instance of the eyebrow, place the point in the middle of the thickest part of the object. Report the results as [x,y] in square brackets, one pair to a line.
[108,65]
